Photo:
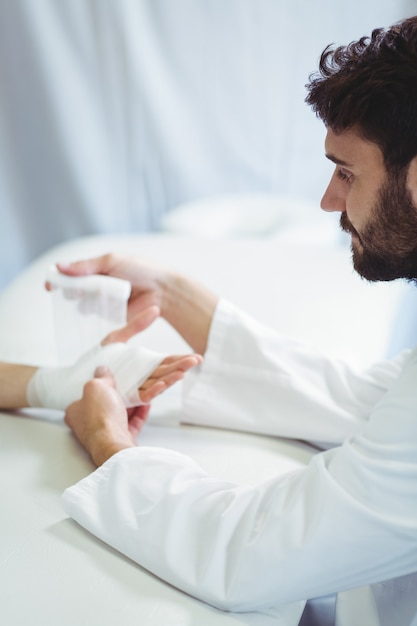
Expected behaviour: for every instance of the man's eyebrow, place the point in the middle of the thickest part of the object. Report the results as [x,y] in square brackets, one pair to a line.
[331,157]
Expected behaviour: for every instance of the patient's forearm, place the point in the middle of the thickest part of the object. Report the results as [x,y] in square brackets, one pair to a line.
[14,379]
[189,308]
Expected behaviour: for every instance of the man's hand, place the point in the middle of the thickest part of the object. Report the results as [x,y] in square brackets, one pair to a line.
[136,325]
[100,421]
[182,302]
[148,281]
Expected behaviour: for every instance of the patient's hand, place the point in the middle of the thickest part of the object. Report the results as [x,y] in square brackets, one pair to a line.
[170,371]
[139,374]
[100,420]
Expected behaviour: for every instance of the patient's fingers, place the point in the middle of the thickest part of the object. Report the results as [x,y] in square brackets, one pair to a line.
[174,358]
[150,390]
[184,361]
[173,364]
[165,376]
[138,323]
[171,371]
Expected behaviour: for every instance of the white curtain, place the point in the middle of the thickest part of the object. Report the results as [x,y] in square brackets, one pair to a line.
[112,112]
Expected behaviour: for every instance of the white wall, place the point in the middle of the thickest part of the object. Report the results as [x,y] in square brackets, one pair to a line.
[112,112]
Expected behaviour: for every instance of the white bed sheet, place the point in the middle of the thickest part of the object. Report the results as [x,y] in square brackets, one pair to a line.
[306,290]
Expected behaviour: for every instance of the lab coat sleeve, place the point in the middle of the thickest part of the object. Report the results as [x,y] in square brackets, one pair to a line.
[257,380]
[348,519]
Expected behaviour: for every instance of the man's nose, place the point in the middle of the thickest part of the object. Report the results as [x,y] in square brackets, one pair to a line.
[334,198]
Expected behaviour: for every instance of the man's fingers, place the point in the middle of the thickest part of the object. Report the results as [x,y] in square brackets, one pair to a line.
[105,375]
[97,265]
[68,413]
[136,325]
[137,418]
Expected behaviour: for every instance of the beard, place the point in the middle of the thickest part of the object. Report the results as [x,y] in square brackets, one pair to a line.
[386,249]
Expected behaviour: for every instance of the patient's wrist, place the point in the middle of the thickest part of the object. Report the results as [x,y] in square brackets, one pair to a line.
[14,380]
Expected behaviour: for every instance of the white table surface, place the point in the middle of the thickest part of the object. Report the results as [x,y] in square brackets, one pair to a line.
[52,571]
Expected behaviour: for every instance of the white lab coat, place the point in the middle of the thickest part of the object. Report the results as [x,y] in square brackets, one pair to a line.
[346,523]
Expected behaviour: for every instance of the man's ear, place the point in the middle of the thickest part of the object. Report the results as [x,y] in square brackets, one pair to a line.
[412,179]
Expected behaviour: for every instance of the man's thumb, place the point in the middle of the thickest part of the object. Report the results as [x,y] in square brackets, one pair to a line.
[105,374]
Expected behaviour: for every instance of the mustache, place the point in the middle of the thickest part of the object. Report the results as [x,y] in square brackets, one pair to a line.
[347,226]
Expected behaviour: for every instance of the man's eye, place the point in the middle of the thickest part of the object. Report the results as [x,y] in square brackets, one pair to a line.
[343,175]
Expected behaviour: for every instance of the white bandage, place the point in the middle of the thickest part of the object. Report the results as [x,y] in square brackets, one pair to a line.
[57,387]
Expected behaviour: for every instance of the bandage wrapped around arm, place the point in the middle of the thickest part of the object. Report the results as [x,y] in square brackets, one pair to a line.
[130,365]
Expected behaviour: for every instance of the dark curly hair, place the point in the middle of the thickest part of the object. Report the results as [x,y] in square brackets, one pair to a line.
[371,85]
